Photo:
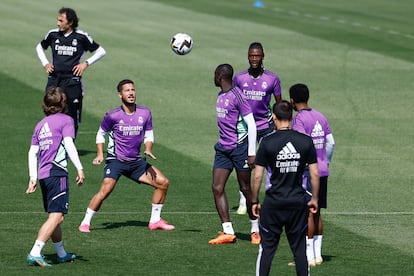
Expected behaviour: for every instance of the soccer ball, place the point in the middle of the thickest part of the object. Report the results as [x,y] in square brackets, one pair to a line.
[181,44]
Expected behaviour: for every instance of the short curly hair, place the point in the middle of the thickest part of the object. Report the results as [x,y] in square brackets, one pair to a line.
[299,93]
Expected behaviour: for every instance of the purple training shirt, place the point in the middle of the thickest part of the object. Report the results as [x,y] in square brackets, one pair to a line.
[126,132]
[48,135]
[314,123]
[259,93]
[230,108]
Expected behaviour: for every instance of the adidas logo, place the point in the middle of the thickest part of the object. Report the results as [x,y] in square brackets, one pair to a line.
[286,162]
[45,131]
[317,130]
[57,41]
[288,152]
[245,84]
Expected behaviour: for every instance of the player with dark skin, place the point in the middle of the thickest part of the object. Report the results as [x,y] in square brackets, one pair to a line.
[236,149]
[258,80]
[256,57]
[220,176]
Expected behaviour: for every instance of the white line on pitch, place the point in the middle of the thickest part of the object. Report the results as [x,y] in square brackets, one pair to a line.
[341,21]
[213,213]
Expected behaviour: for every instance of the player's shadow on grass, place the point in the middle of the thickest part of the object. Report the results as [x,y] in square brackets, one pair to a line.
[328,258]
[243,236]
[128,223]
[135,223]
[83,152]
[53,259]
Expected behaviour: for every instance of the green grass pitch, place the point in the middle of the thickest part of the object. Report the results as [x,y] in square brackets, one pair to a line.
[357,57]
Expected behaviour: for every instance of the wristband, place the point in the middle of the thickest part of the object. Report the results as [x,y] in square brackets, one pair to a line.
[255,202]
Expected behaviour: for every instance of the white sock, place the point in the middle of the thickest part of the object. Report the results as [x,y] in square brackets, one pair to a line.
[88,216]
[310,249]
[156,212]
[37,248]
[318,245]
[228,228]
[255,225]
[59,249]
[242,201]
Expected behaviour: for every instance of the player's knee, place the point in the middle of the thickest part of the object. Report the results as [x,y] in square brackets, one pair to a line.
[57,218]
[159,182]
[217,189]
[244,190]
[164,183]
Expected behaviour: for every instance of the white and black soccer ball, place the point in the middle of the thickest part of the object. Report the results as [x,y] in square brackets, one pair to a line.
[181,44]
